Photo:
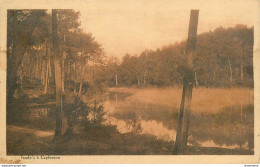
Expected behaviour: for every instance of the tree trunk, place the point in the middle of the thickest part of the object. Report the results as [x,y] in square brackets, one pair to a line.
[69,73]
[81,77]
[188,79]
[62,70]
[58,76]
[145,77]
[30,68]
[50,68]
[93,73]
[46,78]
[43,73]
[49,63]
[75,77]
[196,80]
[37,66]
[116,80]
[58,84]
[62,75]
[230,70]
[21,75]
[241,65]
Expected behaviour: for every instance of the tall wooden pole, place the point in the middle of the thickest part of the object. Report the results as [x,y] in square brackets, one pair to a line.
[188,80]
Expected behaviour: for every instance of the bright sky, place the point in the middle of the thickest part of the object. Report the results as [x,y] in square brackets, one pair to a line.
[132,26]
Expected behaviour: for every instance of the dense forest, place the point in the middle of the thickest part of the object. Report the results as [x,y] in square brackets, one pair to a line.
[224,58]
[30,50]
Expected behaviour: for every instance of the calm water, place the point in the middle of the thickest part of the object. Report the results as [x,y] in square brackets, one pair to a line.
[231,127]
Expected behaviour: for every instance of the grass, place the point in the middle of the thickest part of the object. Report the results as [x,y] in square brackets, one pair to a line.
[203,99]
[224,116]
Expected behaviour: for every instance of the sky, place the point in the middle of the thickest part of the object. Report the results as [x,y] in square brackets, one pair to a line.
[131,26]
[135,25]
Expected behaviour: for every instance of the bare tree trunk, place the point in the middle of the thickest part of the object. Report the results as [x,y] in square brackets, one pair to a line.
[69,85]
[230,70]
[62,70]
[75,77]
[43,73]
[81,77]
[58,83]
[116,80]
[93,72]
[49,69]
[196,80]
[21,80]
[58,76]
[241,65]
[69,72]
[145,77]
[21,75]
[115,71]
[46,78]
[62,75]
[30,68]
[188,79]
[37,66]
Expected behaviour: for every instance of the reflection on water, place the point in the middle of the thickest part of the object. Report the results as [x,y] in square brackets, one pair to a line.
[34,116]
[232,127]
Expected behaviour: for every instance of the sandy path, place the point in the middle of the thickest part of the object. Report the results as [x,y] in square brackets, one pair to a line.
[35,132]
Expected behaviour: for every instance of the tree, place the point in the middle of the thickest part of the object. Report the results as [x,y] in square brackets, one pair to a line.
[21,24]
[84,48]
[58,75]
[224,58]
[67,21]
[188,80]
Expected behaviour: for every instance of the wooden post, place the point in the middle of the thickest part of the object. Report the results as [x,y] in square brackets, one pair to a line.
[188,80]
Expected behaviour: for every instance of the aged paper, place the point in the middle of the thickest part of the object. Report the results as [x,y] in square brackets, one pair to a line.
[107,81]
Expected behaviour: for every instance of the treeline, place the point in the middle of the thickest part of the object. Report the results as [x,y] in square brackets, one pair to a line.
[47,55]
[224,58]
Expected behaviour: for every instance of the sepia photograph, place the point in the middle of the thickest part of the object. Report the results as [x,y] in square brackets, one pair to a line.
[130,78]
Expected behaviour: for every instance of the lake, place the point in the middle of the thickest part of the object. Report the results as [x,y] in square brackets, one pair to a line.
[222,118]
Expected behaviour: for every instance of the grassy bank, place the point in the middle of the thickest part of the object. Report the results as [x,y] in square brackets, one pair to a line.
[203,99]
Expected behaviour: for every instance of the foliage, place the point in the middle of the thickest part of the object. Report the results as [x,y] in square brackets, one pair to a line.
[219,53]
[30,40]
[83,115]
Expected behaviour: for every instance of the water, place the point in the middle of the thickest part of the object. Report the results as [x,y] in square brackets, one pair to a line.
[231,127]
